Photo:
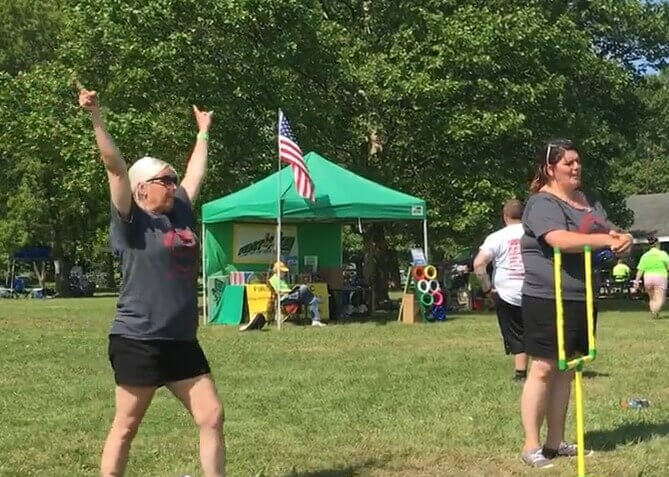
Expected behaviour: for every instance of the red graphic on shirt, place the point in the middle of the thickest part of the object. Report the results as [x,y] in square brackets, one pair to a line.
[515,259]
[182,247]
[591,224]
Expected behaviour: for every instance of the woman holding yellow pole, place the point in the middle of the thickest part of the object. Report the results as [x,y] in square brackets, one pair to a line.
[557,215]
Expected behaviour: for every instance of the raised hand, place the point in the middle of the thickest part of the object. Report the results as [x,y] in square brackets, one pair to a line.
[202,118]
[88,100]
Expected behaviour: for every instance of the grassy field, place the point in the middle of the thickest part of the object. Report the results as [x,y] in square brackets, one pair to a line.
[369,399]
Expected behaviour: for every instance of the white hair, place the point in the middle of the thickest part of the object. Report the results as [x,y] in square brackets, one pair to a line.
[144,169]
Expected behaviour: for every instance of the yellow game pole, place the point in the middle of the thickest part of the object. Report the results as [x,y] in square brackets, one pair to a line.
[577,363]
[559,310]
[590,304]
[580,431]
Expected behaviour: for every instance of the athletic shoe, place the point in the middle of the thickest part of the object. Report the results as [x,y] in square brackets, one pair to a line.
[567,449]
[536,458]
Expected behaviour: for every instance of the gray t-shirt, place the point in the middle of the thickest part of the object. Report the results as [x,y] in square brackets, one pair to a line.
[159,257]
[543,213]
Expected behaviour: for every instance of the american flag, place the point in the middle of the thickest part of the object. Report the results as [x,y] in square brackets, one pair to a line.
[290,153]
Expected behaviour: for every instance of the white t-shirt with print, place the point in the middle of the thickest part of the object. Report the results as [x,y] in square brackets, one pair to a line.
[504,247]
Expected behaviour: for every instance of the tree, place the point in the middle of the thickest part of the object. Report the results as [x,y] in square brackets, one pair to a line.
[442,99]
[644,169]
[28,33]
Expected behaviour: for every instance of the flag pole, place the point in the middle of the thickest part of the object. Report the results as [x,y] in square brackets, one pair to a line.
[277,312]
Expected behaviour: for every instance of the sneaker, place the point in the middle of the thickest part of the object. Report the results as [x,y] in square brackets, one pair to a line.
[536,458]
[317,323]
[567,449]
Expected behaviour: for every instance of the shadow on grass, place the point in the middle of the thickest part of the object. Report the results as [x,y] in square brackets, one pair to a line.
[610,439]
[595,374]
[348,471]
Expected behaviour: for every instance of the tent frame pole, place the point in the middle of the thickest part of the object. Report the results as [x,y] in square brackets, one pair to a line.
[425,244]
[277,313]
[204,276]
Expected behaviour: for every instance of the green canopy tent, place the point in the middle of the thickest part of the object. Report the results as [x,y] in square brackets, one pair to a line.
[341,197]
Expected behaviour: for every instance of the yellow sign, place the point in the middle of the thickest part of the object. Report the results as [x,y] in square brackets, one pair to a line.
[257,299]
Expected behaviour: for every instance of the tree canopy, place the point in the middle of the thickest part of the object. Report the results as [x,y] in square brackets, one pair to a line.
[447,100]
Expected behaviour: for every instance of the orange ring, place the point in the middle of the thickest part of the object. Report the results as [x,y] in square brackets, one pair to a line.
[418,273]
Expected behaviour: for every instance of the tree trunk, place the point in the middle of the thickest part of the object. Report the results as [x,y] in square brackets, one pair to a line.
[40,272]
[109,272]
[61,270]
[376,263]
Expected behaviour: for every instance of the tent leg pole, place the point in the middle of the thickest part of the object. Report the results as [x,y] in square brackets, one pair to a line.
[204,277]
[427,258]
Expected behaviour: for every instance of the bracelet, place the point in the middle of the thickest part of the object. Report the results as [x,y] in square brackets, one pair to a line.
[203,135]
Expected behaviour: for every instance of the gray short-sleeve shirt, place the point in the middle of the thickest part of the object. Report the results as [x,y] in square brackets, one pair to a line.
[159,257]
[543,213]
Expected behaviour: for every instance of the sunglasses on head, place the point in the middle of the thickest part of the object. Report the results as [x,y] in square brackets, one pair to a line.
[165,180]
[548,152]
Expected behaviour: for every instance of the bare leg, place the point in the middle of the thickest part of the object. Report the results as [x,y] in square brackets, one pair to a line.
[131,405]
[656,298]
[199,396]
[535,399]
[520,362]
[557,408]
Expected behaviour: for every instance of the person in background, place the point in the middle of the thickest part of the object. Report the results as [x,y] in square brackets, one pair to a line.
[621,272]
[653,267]
[502,249]
[299,294]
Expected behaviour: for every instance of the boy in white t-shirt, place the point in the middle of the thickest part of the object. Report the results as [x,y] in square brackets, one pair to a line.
[502,248]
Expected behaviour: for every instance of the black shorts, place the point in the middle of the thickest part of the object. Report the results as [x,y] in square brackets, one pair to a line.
[155,362]
[541,330]
[510,319]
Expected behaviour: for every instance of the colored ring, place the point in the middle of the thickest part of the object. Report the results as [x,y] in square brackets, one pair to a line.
[418,273]
[426,299]
[439,313]
[430,272]
[438,298]
[434,286]
[423,286]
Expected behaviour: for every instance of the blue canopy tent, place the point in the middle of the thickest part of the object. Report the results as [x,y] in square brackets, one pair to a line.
[25,254]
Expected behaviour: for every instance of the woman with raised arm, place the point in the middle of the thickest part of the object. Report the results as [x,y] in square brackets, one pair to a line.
[153,340]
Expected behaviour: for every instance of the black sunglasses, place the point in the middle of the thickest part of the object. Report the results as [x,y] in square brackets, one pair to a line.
[165,180]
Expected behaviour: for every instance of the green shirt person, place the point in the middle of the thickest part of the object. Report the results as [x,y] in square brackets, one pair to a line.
[653,267]
[621,272]
[654,263]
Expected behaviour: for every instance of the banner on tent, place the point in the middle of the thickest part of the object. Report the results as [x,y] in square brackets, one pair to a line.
[254,243]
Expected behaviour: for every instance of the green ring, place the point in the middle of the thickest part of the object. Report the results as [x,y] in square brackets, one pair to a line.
[428,297]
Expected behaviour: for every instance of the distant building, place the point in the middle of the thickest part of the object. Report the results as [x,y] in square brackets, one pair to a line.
[651,216]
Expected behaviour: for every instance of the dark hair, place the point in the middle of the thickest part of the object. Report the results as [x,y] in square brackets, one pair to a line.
[513,208]
[652,240]
[549,154]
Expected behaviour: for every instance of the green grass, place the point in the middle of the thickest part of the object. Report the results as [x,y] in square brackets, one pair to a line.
[373,399]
